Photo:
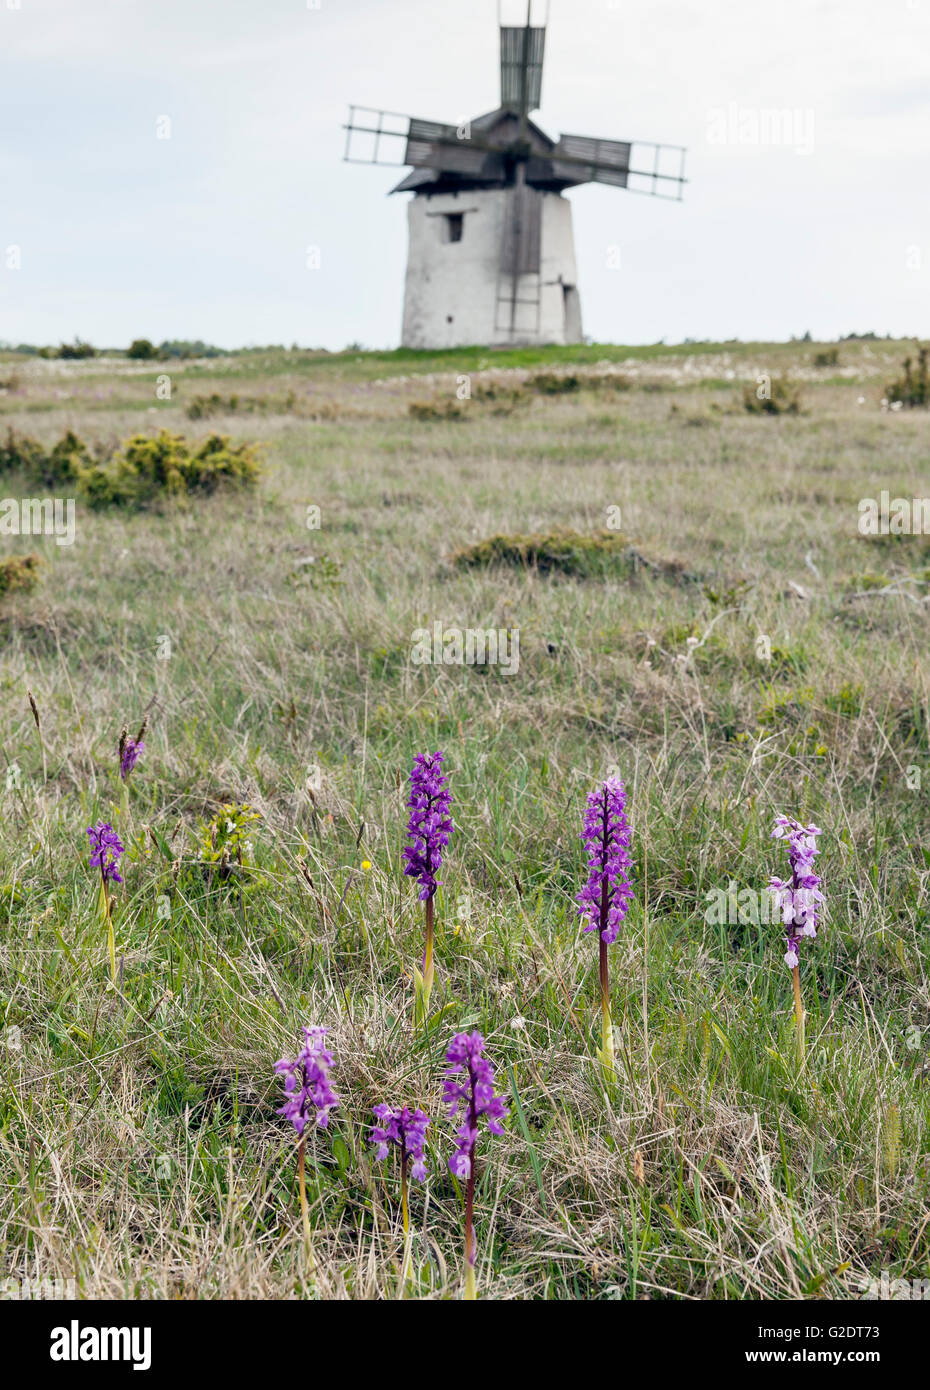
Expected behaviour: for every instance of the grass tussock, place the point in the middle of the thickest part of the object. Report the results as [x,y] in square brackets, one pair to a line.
[584,555]
[442,408]
[569,383]
[554,383]
[503,397]
[202,407]
[556,552]
[19,574]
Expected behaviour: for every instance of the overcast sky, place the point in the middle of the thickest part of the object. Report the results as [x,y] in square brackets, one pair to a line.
[822,224]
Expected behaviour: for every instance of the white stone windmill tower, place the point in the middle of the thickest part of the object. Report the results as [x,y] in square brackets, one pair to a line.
[491,256]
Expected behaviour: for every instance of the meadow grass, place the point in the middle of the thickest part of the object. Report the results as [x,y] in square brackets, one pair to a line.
[140,1151]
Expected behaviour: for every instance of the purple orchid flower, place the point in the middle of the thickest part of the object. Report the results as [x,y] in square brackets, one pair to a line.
[106,848]
[468,1091]
[310,1097]
[430,825]
[797,900]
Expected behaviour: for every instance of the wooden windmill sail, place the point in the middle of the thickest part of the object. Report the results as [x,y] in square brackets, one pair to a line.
[509,174]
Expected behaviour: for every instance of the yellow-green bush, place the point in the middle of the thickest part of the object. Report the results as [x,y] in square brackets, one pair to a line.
[142,471]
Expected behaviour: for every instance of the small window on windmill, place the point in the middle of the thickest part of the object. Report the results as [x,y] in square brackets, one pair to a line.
[454,225]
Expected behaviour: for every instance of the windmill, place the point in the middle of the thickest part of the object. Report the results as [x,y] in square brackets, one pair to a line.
[491,255]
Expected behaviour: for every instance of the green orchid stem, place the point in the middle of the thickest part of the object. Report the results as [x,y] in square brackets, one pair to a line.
[428,968]
[799,1015]
[423,982]
[304,1209]
[471,1245]
[405,1209]
[405,1216]
[607,1031]
[108,914]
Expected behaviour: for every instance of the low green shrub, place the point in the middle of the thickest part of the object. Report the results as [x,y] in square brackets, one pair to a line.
[781,398]
[141,350]
[76,350]
[141,472]
[186,348]
[67,462]
[21,453]
[913,388]
[146,469]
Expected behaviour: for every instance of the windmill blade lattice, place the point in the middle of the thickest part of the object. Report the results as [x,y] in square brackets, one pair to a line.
[522,50]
